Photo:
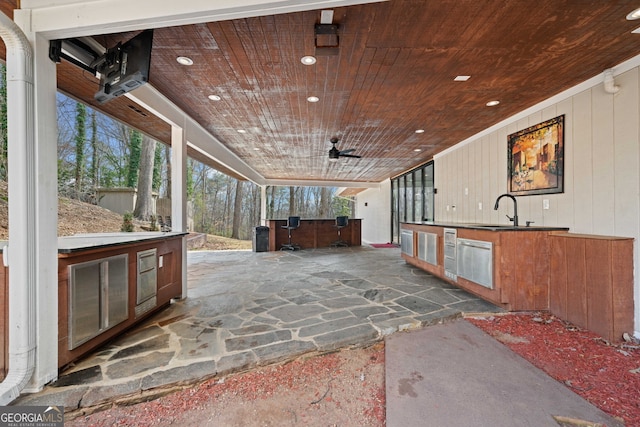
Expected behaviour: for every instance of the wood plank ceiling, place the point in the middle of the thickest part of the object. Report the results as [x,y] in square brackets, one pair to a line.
[394,74]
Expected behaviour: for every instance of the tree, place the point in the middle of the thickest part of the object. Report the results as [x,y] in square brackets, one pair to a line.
[324,204]
[167,158]
[144,202]
[135,141]
[157,169]
[95,163]
[81,113]
[189,182]
[271,201]
[3,122]
[292,201]
[237,211]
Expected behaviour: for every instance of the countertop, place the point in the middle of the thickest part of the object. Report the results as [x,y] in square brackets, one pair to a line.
[79,242]
[490,227]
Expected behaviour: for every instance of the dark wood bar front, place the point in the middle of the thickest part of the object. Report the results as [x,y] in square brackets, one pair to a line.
[313,233]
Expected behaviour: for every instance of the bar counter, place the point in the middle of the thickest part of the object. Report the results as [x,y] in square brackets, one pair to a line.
[313,233]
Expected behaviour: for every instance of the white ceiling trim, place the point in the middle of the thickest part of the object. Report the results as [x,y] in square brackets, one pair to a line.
[57,19]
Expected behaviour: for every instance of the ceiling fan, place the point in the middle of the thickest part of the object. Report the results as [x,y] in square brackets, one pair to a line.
[335,154]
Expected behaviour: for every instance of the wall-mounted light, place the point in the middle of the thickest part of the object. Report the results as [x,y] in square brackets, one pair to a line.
[609,82]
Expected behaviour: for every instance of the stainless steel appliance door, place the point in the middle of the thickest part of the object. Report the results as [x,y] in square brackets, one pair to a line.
[84,309]
[147,275]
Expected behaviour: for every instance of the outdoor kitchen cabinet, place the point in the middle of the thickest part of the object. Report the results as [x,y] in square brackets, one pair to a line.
[514,273]
[110,282]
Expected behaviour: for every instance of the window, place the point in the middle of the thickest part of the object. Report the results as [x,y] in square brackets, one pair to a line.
[408,195]
[395,221]
[418,193]
[412,198]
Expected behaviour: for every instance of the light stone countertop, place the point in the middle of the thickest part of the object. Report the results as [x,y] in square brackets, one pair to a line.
[79,242]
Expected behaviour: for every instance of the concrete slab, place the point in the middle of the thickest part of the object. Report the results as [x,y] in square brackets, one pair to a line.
[454,374]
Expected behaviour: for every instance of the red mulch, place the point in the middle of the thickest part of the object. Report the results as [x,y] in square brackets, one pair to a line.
[605,374]
[384,245]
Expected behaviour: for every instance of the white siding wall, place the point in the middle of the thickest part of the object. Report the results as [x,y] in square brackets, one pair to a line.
[602,170]
[376,215]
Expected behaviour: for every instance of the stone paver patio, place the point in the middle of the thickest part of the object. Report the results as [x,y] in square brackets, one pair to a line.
[246,309]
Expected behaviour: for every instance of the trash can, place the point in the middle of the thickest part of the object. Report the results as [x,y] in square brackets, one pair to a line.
[261,239]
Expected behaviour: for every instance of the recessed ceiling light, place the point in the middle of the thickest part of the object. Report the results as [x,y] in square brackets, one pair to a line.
[308,60]
[214,97]
[492,103]
[417,150]
[242,131]
[461,78]
[634,15]
[184,60]
[313,99]
[419,130]
[256,148]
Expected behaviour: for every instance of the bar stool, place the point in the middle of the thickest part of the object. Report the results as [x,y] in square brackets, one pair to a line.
[292,223]
[341,222]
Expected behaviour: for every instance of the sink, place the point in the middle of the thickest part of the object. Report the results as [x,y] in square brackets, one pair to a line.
[499,227]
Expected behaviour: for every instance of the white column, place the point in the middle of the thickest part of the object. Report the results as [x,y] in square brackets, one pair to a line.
[179,193]
[46,199]
[37,210]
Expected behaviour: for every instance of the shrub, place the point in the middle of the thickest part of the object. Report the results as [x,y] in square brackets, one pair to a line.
[127,222]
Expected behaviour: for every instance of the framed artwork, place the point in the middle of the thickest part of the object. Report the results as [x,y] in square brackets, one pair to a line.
[536,159]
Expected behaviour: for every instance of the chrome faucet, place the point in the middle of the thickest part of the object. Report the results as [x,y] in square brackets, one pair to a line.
[515,208]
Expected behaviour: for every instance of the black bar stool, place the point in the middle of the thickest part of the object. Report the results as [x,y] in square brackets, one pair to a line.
[341,222]
[292,223]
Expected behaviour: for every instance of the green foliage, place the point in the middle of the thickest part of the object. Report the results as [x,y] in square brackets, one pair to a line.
[80,138]
[127,222]
[3,122]
[135,141]
[341,206]
[93,172]
[190,178]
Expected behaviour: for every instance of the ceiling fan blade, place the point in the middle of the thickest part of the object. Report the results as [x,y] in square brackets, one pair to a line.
[350,150]
[349,155]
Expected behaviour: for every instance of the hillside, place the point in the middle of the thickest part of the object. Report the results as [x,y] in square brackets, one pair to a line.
[78,217]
